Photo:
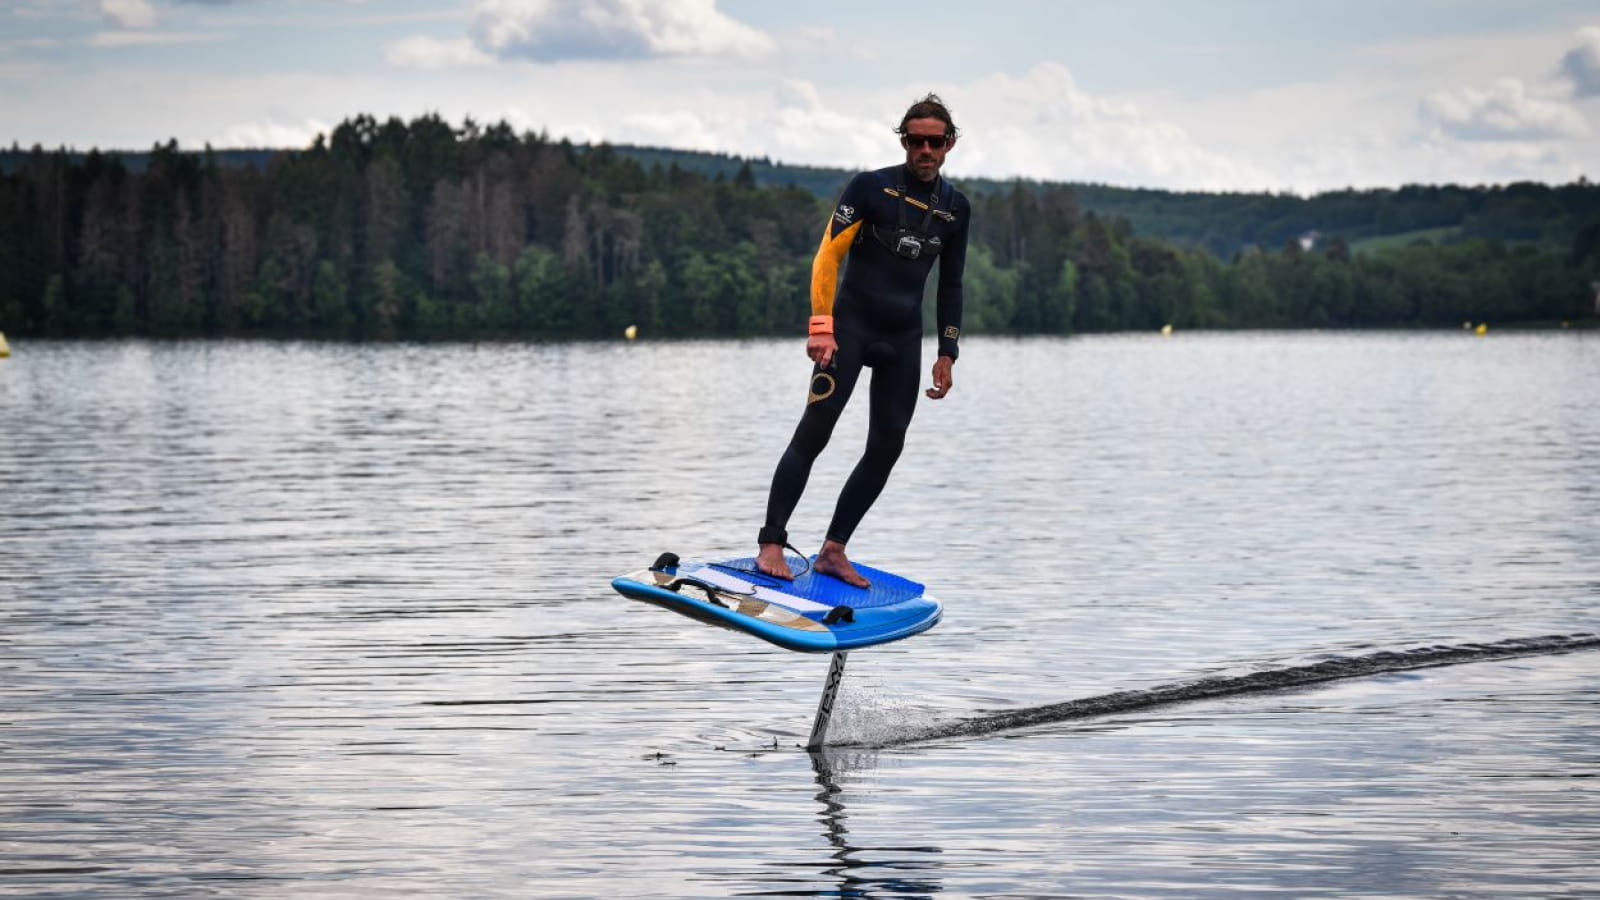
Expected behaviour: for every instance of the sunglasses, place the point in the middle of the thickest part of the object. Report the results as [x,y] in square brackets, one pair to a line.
[931,141]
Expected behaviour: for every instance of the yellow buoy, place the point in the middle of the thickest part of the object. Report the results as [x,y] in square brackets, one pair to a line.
[5,349]
[1482,329]
[1166,331]
[631,332]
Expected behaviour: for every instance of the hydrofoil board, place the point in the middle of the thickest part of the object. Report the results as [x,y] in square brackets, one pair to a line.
[814,613]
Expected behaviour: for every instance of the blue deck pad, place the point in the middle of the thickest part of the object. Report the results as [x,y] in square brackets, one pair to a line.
[813,613]
[887,588]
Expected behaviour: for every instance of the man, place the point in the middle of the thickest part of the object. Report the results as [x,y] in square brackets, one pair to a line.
[891,226]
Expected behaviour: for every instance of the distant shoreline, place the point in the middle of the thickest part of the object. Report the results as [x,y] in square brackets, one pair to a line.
[423,230]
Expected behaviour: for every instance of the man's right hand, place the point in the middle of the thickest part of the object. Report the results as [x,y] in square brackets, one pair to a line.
[821,347]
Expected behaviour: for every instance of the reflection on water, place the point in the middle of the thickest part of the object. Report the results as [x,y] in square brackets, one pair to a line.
[331,620]
[862,871]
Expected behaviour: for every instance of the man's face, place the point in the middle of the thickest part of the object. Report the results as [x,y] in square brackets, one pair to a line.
[922,157]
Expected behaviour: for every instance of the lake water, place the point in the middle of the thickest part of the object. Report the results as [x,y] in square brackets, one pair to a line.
[323,620]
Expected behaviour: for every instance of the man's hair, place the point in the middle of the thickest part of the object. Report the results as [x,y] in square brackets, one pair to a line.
[930,107]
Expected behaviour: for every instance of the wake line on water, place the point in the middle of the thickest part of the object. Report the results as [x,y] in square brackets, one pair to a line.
[1256,682]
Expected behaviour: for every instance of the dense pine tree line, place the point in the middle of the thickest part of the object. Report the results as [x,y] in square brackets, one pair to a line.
[424,230]
[1225,223]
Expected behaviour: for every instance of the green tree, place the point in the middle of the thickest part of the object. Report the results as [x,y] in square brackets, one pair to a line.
[331,301]
[54,304]
[990,293]
[543,292]
[494,303]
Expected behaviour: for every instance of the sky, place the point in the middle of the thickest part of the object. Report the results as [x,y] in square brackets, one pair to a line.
[1228,95]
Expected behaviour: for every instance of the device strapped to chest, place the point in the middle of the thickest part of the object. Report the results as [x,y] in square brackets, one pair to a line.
[914,243]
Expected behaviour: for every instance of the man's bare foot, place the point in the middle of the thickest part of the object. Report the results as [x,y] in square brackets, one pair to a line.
[832,561]
[770,561]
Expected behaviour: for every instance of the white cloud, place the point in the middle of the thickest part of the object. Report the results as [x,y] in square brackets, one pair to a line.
[790,122]
[1582,63]
[129,13]
[272,133]
[40,43]
[803,126]
[1043,125]
[28,11]
[422,52]
[1506,110]
[143,38]
[1039,124]
[552,30]
[1357,126]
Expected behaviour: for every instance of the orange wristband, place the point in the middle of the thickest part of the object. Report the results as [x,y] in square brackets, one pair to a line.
[822,324]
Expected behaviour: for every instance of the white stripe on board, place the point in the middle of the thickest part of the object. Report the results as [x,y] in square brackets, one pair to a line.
[724,579]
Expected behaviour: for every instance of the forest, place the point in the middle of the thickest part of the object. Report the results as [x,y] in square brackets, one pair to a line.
[1225,223]
[428,230]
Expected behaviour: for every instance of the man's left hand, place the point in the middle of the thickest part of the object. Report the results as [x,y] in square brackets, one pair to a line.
[941,378]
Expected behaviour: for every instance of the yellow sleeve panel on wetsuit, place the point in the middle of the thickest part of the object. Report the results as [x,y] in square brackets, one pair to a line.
[825,267]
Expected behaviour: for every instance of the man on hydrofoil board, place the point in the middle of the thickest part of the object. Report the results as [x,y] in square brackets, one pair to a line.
[888,230]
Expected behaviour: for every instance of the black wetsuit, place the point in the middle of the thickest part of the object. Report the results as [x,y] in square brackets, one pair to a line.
[877,322]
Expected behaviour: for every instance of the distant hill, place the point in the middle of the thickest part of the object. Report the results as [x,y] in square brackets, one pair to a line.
[1223,223]
[135,160]
[1226,223]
